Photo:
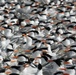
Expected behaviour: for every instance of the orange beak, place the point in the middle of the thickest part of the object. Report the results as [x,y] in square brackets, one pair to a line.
[37,3]
[27,50]
[37,58]
[48,14]
[21,26]
[7,73]
[74,27]
[44,51]
[10,24]
[15,51]
[42,28]
[65,74]
[34,26]
[50,60]
[68,7]
[27,20]
[62,68]
[36,62]
[1,28]
[66,62]
[7,67]
[26,65]
[24,35]
[15,57]
[66,50]
[13,60]
[43,41]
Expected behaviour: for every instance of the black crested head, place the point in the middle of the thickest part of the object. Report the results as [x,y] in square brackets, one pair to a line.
[47,28]
[39,66]
[59,72]
[2,70]
[13,74]
[16,67]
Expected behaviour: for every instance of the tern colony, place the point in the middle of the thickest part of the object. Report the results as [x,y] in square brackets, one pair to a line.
[37,37]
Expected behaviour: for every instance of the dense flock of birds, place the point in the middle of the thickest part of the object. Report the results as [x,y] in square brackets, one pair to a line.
[37,34]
